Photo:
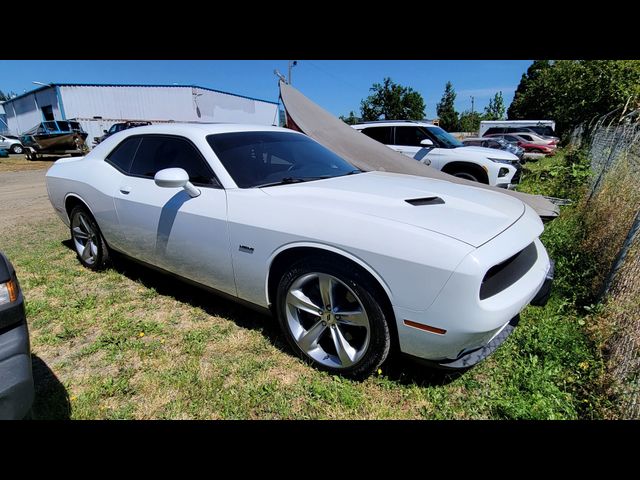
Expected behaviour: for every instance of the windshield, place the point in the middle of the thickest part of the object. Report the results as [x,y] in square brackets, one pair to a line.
[543,130]
[446,139]
[259,158]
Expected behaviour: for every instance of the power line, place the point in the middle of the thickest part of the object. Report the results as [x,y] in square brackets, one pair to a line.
[332,75]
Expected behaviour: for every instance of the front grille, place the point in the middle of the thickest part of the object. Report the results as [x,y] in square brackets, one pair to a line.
[502,276]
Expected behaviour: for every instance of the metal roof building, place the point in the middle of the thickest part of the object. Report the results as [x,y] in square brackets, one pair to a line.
[4,127]
[98,106]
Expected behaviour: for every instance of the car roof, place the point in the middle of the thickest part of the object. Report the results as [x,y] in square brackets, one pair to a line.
[392,123]
[187,128]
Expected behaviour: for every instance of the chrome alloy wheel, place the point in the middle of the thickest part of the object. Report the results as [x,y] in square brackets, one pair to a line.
[85,239]
[327,320]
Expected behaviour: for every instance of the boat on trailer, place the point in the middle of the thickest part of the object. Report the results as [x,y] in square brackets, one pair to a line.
[55,137]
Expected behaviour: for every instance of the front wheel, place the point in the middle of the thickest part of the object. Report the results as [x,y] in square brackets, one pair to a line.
[17,149]
[331,319]
[467,176]
[88,242]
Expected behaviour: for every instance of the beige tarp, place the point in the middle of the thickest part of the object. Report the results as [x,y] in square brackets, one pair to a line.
[368,154]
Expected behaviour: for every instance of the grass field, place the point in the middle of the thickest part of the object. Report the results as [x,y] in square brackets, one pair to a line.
[19,163]
[129,343]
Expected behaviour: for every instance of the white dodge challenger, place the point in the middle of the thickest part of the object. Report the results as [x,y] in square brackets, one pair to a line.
[351,263]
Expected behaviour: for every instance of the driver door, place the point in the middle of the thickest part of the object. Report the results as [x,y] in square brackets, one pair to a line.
[168,228]
[407,141]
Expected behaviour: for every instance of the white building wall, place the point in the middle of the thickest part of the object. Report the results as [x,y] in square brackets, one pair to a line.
[128,103]
[179,104]
[220,107]
[26,112]
[159,104]
[113,104]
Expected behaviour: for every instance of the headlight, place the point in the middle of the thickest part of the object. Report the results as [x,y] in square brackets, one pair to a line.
[8,292]
[500,160]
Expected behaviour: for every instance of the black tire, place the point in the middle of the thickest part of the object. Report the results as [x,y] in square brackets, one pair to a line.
[16,149]
[467,176]
[100,258]
[364,289]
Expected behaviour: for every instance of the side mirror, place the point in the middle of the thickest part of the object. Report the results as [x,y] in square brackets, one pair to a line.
[104,131]
[426,143]
[175,178]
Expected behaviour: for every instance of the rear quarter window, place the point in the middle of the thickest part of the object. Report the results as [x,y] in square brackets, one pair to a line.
[123,154]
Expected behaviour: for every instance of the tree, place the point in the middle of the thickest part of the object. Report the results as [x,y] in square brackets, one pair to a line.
[572,92]
[523,102]
[392,102]
[351,119]
[495,110]
[470,121]
[446,111]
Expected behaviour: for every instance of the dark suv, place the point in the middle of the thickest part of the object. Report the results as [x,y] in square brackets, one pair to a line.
[16,376]
[118,127]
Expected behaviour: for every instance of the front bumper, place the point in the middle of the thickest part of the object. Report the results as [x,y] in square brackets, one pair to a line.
[459,321]
[542,297]
[16,377]
[515,179]
[469,358]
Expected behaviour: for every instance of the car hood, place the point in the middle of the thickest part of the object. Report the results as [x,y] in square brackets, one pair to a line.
[488,152]
[468,214]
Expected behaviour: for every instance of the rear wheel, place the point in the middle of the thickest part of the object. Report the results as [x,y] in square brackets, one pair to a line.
[17,149]
[330,318]
[87,239]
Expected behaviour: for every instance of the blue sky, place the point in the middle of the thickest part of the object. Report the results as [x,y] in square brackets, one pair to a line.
[336,85]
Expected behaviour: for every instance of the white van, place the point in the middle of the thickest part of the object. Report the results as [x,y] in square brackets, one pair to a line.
[433,146]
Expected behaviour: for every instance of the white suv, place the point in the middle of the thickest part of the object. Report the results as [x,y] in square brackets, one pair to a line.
[11,144]
[433,146]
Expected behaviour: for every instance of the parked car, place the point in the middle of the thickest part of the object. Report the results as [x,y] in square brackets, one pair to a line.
[11,144]
[118,127]
[528,146]
[541,131]
[433,146]
[533,138]
[345,260]
[497,143]
[16,376]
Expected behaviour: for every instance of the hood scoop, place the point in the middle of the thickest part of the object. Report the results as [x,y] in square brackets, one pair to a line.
[418,202]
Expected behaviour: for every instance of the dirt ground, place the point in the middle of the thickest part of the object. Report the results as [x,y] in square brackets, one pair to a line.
[23,197]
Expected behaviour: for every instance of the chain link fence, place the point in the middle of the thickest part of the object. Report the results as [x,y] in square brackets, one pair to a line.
[612,218]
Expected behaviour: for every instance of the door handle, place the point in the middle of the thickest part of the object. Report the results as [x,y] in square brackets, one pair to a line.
[125,190]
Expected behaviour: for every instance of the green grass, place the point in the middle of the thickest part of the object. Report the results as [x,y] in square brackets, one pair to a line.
[128,343]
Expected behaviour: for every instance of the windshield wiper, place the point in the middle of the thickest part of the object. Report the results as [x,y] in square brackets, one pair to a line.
[287,180]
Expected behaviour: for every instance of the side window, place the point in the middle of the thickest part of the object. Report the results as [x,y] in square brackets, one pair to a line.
[492,130]
[158,152]
[409,136]
[122,155]
[526,137]
[511,138]
[381,134]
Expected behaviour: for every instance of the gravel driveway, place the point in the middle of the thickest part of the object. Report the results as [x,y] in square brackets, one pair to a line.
[23,198]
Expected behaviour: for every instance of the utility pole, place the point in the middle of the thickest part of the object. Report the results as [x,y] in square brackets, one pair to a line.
[472,102]
[292,63]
